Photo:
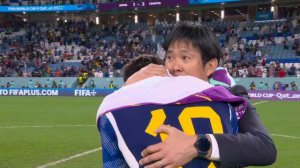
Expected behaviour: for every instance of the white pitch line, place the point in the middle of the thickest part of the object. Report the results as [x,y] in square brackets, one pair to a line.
[285,136]
[260,102]
[48,126]
[69,158]
[278,135]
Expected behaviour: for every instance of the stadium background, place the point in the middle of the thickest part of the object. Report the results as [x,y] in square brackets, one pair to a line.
[58,58]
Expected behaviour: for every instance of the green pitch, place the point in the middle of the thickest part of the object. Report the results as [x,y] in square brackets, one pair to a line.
[64,127]
[282,120]
[38,131]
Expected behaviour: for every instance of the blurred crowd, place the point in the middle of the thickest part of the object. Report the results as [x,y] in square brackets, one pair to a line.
[43,49]
[72,48]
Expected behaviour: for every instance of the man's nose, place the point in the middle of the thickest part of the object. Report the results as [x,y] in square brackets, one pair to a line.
[176,66]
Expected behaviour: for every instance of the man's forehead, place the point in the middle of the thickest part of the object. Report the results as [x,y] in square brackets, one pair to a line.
[182,45]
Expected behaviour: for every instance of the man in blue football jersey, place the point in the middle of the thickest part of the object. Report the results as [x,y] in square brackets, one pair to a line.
[128,118]
[197,98]
[193,50]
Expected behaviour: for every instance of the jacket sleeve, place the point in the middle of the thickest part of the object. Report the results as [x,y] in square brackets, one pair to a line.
[252,146]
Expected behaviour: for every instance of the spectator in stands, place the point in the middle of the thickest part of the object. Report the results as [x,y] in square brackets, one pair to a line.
[277,86]
[8,85]
[111,85]
[48,83]
[273,41]
[281,73]
[244,72]
[294,86]
[251,47]
[258,70]
[277,69]
[252,86]
[266,86]
[285,44]
[54,84]
[92,84]
[252,71]
[261,86]
[292,71]
[284,87]
[258,54]
[61,84]
[98,74]
[271,70]
[80,80]
[38,84]
[295,44]
[12,84]
[264,60]
[85,76]
[264,72]
[57,73]
[298,73]
[256,46]
[30,84]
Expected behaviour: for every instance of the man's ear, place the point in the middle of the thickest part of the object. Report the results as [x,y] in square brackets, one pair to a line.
[211,66]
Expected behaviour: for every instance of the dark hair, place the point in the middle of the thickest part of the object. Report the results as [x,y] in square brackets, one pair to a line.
[138,63]
[200,36]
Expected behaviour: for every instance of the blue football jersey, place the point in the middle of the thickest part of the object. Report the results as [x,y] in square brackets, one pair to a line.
[127,131]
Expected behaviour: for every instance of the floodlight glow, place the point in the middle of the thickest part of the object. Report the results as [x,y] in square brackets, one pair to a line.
[177,17]
[222,14]
[97,20]
[136,18]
